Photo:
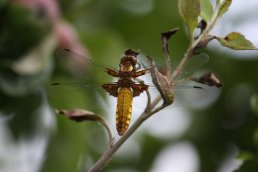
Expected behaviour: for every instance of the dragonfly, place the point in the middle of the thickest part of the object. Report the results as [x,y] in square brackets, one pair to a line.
[125,88]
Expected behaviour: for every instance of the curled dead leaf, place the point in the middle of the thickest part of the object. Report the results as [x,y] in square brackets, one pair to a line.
[209,79]
[162,83]
[80,115]
[165,36]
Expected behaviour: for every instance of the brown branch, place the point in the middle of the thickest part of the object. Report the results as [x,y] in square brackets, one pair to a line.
[106,156]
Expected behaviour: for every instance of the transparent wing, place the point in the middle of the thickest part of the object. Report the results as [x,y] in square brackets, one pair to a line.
[80,64]
[195,62]
[85,83]
[65,94]
[185,94]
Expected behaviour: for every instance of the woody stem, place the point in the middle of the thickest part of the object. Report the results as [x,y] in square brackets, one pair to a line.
[108,153]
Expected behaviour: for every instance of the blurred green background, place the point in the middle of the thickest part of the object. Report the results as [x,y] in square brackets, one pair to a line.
[33,138]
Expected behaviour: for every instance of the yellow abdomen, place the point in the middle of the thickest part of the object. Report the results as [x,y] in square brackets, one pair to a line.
[123,109]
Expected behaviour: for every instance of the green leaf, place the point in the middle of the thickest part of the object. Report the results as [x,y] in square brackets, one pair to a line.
[224,7]
[254,103]
[206,10]
[189,11]
[236,41]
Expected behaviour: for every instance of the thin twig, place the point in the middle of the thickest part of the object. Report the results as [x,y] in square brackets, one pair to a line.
[106,156]
[192,46]
[157,109]
[147,109]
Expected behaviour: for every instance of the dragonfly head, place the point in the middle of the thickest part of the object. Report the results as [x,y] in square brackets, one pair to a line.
[126,66]
[129,61]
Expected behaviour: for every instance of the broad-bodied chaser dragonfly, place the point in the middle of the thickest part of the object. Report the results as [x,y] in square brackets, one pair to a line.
[125,88]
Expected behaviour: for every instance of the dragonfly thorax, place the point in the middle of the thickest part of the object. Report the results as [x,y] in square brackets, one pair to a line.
[125,82]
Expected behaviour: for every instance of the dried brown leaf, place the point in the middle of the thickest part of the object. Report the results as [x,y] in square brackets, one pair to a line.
[209,79]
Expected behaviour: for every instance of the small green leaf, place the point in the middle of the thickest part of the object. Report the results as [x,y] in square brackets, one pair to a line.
[224,7]
[189,11]
[254,104]
[236,41]
[206,10]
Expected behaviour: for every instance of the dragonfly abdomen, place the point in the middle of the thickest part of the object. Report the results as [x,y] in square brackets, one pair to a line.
[124,109]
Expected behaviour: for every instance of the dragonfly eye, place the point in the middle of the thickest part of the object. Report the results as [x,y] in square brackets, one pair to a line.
[127,67]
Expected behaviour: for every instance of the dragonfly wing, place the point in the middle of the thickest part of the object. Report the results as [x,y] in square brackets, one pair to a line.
[185,94]
[75,94]
[80,64]
[193,64]
[73,61]
[188,95]
[86,82]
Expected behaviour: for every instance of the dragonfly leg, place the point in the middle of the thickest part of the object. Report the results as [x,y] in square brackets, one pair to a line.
[112,72]
[140,73]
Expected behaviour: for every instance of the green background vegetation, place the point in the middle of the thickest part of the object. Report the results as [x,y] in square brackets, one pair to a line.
[105,29]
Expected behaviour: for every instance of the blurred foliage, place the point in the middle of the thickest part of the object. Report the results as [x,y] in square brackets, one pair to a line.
[29,28]
[106,29]
[23,122]
[254,103]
